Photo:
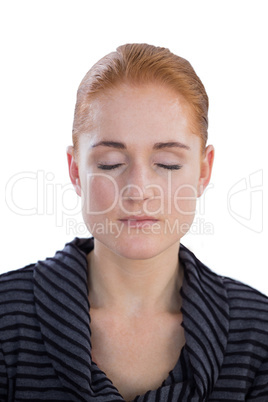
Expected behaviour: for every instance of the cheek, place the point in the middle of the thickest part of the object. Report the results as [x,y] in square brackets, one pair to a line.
[99,194]
[184,194]
[183,208]
[184,199]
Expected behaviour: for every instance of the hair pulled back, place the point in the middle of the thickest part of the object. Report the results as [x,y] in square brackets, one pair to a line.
[140,64]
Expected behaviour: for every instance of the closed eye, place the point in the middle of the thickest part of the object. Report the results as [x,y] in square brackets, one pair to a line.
[170,167]
[109,167]
[162,165]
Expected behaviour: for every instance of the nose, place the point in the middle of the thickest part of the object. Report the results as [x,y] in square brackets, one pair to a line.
[139,185]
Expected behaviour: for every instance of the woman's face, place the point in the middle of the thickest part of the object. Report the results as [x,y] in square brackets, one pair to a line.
[140,170]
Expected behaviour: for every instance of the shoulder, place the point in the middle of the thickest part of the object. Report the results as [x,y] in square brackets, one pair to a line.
[21,280]
[247,307]
[16,290]
[17,281]
[241,294]
[237,292]
[17,303]
[18,287]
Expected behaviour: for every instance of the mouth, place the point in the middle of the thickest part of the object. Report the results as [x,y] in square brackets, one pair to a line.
[139,221]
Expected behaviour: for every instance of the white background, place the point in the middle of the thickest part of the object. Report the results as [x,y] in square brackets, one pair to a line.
[46,49]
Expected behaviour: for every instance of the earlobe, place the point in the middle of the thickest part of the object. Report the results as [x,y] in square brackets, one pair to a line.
[206,169]
[73,170]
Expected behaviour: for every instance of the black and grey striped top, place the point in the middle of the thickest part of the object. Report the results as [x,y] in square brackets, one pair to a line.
[45,336]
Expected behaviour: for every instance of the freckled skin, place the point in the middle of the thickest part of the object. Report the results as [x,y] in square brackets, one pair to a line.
[135,276]
[140,117]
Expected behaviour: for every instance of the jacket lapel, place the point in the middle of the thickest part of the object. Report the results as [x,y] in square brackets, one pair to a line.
[60,289]
[61,299]
[205,312]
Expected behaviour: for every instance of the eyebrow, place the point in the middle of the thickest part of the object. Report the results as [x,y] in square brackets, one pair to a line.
[157,145]
[112,144]
[170,144]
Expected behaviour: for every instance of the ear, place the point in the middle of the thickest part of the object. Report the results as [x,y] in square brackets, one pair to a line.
[206,169]
[73,170]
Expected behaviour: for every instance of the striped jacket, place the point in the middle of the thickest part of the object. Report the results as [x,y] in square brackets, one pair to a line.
[45,350]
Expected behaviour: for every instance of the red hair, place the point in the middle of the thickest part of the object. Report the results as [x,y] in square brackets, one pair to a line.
[140,64]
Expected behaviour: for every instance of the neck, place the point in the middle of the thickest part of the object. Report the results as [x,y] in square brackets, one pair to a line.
[134,287]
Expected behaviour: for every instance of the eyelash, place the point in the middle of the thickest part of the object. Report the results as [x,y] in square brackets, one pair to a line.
[109,167]
[168,167]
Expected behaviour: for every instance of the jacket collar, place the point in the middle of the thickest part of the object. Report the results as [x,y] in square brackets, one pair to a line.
[205,312]
[61,299]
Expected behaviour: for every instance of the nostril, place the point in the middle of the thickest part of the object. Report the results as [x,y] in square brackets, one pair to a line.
[135,192]
[132,191]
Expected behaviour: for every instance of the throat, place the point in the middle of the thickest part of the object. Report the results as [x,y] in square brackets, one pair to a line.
[136,355]
[138,285]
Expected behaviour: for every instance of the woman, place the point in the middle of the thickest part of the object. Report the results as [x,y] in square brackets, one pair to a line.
[131,314]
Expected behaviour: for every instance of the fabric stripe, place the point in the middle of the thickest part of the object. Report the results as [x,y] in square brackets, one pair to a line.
[45,352]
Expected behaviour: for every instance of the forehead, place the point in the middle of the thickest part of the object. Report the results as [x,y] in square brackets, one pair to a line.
[148,113]
[138,102]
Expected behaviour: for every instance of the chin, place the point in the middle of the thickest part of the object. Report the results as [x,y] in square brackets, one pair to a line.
[141,247]
[137,254]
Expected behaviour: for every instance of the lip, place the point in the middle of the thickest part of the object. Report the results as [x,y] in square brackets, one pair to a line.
[139,218]
[139,221]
